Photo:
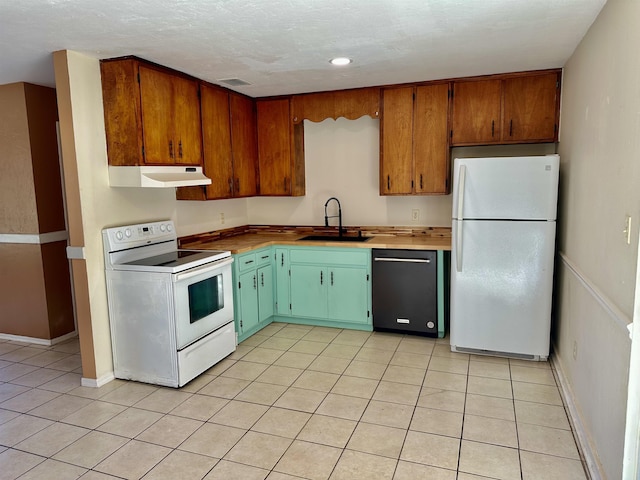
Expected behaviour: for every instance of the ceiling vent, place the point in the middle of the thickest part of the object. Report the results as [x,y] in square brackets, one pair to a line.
[234,82]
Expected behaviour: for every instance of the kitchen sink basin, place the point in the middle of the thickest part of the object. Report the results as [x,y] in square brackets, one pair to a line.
[334,238]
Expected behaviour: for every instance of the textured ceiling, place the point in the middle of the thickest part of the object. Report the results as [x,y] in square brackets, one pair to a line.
[283,46]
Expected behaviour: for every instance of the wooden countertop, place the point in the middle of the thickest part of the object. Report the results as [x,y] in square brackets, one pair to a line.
[244,242]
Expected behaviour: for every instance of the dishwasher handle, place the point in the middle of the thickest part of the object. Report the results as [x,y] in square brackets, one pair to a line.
[403,260]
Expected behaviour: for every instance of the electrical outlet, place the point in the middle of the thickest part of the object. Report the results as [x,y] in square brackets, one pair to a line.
[575,350]
[627,229]
[221,218]
[415,215]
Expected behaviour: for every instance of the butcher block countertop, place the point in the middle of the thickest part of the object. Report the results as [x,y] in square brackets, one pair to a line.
[250,237]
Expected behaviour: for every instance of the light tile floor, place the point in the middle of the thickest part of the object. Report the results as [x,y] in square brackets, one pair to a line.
[292,402]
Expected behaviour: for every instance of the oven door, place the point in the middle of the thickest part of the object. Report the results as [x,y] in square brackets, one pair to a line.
[203,299]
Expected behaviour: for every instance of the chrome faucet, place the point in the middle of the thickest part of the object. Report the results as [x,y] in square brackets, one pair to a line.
[327,217]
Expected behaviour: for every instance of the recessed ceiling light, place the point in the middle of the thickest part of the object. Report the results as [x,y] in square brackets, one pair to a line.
[340,61]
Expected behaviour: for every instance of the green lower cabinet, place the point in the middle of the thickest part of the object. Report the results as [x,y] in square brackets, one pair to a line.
[248,301]
[254,292]
[328,287]
[308,291]
[283,300]
[348,294]
[265,293]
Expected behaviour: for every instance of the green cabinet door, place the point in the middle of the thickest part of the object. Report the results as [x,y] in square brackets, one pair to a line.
[348,294]
[283,301]
[265,292]
[309,291]
[248,301]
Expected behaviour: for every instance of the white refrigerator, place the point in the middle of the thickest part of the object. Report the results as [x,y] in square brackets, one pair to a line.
[502,255]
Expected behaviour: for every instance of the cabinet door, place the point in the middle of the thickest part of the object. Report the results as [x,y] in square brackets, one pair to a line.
[187,133]
[308,291]
[283,301]
[274,142]
[265,292]
[347,295]
[530,107]
[216,133]
[243,145]
[476,112]
[156,94]
[248,293]
[430,142]
[396,130]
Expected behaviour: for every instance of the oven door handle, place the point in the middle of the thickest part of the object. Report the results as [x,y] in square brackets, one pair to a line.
[209,267]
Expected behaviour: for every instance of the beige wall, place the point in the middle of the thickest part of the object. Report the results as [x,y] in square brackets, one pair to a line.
[93,205]
[600,175]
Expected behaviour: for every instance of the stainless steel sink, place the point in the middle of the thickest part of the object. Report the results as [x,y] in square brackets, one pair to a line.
[334,238]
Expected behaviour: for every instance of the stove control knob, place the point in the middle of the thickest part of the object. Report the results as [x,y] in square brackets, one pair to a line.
[162,227]
[169,228]
[119,235]
[127,233]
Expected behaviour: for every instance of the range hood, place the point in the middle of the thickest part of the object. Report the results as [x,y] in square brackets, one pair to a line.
[156,176]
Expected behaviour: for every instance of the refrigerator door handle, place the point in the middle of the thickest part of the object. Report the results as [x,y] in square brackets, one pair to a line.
[460,224]
[462,175]
[461,180]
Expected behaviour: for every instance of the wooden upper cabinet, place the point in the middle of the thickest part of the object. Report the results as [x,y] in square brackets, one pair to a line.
[513,108]
[396,141]
[476,112]
[216,145]
[414,156]
[244,145]
[351,104]
[530,108]
[430,143]
[229,143]
[280,149]
[152,115]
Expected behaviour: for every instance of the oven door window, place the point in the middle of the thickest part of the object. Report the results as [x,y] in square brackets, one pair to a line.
[205,298]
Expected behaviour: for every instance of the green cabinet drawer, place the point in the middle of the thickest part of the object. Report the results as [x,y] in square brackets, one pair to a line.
[330,256]
[246,262]
[263,257]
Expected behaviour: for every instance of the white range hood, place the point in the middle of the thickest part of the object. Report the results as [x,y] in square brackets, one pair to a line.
[156,176]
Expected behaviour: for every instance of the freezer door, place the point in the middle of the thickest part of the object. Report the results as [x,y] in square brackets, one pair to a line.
[501,284]
[506,188]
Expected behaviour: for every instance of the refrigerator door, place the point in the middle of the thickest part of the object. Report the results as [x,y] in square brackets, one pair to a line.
[506,187]
[501,283]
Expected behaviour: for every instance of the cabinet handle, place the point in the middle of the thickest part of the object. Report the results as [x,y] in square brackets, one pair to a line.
[321,277]
[255,284]
[180,148]
[421,182]
[388,183]
[266,256]
[248,262]
[511,128]
[282,259]
[332,279]
[493,124]
[170,148]
[230,185]
[262,278]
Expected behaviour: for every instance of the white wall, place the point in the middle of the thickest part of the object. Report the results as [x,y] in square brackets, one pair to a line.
[599,179]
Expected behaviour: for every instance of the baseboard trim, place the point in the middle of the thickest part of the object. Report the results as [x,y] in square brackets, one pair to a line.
[97,382]
[38,341]
[585,445]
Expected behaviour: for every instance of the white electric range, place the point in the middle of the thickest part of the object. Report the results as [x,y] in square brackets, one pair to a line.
[170,310]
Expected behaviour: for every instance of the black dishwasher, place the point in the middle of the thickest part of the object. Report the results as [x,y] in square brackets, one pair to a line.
[404,291]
